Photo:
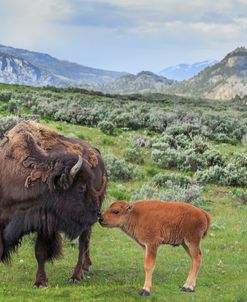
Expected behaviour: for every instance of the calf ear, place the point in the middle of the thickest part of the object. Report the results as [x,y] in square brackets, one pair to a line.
[129,208]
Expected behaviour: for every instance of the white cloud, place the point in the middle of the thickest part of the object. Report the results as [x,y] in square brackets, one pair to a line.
[125,34]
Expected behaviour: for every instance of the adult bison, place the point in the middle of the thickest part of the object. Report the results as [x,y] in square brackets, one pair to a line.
[49,184]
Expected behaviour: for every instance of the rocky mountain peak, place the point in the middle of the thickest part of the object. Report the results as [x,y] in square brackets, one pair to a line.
[236,58]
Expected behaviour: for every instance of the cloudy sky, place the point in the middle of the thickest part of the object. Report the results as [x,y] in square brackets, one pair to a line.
[126,35]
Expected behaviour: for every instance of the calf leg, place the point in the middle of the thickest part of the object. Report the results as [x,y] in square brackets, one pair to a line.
[193,249]
[46,249]
[83,261]
[149,264]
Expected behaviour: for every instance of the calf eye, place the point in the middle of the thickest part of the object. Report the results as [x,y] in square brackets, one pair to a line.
[115,212]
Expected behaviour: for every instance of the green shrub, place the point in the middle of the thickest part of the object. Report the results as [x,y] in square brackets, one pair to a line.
[5,95]
[213,158]
[119,192]
[183,152]
[138,174]
[118,168]
[108,141]
[157,121]
[151,171]
[106,127]
[133,155]
[164,142]
[3,107]
[191,193]
[147,191]
[212,175]
[240,195]
[189,130]
[169,158]
[6,123]
[141,141]
[222,138]
[229,175]
[13,105]
[161,179]
[181,141]
[192,161]
[244,139]
[240,160]
[199,144]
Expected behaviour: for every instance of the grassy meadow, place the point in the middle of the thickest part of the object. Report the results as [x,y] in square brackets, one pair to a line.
[117,272]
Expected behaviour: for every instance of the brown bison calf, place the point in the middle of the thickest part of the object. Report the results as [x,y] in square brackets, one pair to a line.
[153,222]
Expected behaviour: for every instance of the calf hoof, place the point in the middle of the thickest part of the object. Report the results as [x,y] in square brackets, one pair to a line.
[74,280]
[187,289]
[144,293]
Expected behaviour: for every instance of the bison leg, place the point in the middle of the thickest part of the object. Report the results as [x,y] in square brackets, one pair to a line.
[87,261]
[194,252]
[46,249]
[1,245]
[149,264]
[83,261]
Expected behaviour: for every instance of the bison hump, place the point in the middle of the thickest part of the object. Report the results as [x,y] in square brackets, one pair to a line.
[36,147]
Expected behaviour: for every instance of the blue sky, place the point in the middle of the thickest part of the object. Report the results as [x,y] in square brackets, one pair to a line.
[126,35]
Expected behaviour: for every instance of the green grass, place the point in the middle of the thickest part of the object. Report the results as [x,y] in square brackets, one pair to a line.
[117,272]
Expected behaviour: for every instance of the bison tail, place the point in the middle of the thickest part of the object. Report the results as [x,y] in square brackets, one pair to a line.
[208,223]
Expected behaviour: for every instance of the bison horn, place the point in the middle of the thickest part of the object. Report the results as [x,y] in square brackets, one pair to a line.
[74,170]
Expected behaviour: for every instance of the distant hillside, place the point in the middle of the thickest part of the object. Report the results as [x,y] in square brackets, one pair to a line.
[19,71]
[143,82]
[185,71]
[62,71]
[223,80]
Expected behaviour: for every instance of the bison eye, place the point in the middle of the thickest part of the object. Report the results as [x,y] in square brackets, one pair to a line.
[115,212]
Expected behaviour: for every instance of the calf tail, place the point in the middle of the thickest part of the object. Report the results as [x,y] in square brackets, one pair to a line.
[208,223]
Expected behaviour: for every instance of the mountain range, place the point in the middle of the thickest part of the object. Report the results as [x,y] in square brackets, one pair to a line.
[218,80]
[223,80]
[143,82]
[182,72]
[48,70]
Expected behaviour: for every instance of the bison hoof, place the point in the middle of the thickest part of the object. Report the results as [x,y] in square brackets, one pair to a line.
[88,274]
[144,293]
[85,269]
[40,285]
[73,280]
[187,289]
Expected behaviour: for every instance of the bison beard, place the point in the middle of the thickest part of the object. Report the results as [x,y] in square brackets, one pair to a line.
[48,184]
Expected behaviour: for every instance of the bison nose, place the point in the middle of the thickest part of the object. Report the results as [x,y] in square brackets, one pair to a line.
[100,219]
